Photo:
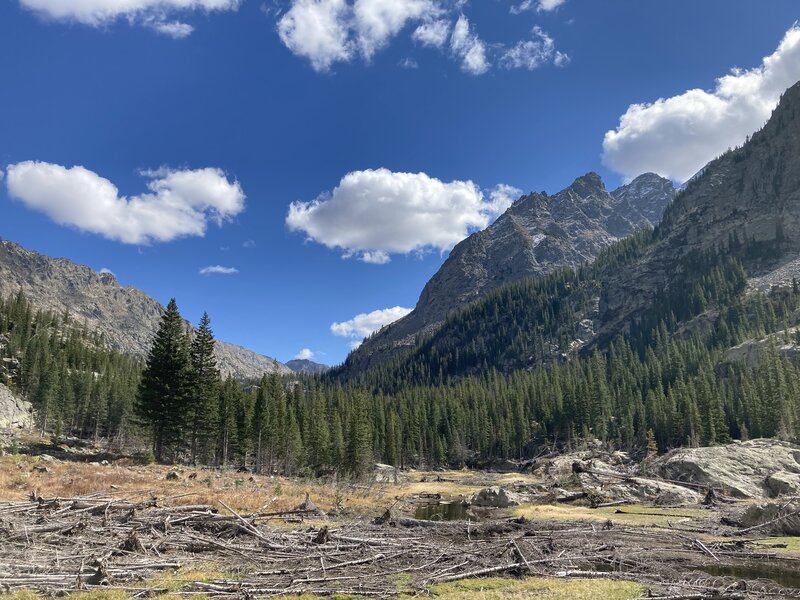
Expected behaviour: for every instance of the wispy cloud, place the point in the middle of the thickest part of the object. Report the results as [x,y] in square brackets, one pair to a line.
[154,14]
[218,270]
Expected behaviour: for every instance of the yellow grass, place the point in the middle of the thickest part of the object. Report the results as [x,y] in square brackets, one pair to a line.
[634,514]
[540,588]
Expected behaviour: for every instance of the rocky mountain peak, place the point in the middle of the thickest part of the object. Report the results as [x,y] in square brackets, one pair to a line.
[535,236]
[587,186]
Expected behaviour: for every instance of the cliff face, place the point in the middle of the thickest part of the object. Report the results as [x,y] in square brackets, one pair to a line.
[535,236]
[748,196]
[126,316]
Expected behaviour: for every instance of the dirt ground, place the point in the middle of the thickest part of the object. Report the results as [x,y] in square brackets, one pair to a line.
[121,530]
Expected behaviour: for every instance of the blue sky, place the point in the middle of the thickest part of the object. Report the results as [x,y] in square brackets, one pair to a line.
[197,124]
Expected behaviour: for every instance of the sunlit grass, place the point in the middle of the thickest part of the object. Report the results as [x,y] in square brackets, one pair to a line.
[633,514]
[792,544]
[540,587]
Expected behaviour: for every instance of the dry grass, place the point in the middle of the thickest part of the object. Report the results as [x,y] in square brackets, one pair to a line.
[634,514]
[242,491]
[540,587]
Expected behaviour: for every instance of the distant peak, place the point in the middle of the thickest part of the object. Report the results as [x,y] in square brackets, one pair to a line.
[588,185]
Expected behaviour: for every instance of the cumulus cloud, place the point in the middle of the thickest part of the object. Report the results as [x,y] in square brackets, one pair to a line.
[329,31]
[318,30]
[305,354]
[154,14]
[218,270]
[364,324]
[467,46]
[677,136]
[537,5]
[532,54]
[106,271]
[377,21]
[374,213]
[178,203]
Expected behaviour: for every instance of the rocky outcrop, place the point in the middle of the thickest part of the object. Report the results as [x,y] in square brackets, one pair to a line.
[753,469]
[14,412]
[535,236]
[126,316]
[307,367]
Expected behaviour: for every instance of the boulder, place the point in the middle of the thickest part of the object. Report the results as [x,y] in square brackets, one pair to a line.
[740,469]
[14,413]
[782,483]
[769,515]
[495,497]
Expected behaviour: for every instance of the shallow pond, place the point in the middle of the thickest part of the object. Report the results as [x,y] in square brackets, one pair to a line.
[445,511]
[781,576]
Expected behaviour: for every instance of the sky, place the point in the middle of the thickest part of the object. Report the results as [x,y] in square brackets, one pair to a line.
[300,168]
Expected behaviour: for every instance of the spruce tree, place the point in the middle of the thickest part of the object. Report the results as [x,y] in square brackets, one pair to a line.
[205,390]
[166,385]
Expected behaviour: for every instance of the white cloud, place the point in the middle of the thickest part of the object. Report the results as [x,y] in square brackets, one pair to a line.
[249,244]
[177,203]
[467,46]
[433,33]
[374,213]
[532,54]
[218,270]
[327,32]
[537,5]
[106,271]
[406,63]
[377,21]
[677,136]
[503,196]
[364,324]
[318,30]
[304,354]
[150,13]
[330,31]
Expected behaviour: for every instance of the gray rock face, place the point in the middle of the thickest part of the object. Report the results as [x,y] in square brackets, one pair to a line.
[743,470]
[751,194]
[126,316]
[307,367]
[14,413]
[537,235]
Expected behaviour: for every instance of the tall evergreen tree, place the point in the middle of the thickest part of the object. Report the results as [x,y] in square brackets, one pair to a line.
[205,390]
[166,386]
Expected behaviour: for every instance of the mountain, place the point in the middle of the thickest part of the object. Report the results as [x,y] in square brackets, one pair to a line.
[307,367]
[535,236]
[126,316]
[723,262]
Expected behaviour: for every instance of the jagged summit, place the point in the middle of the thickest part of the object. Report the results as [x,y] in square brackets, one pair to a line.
[538,234]
[126,316]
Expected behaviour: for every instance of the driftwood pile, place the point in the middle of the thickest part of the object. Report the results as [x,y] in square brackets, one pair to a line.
[61,545]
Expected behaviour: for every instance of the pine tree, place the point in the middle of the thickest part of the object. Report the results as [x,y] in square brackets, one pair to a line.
[166,386]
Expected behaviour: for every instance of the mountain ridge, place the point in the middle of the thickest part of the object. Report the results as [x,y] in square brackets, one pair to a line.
[537,234]
[127,316]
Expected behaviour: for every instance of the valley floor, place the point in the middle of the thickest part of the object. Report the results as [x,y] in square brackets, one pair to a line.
[118,530]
